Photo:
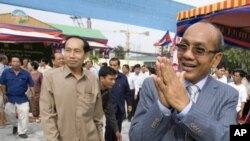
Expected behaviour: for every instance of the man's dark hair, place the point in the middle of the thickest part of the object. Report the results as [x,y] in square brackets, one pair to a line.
[45,61]
[86,46]
[248,78]
[104,64]
[137,66]
[220,66]
[152,70]
[240,71]
[104,71]
[115,59]
[34,64]
[126,66]
[15,56]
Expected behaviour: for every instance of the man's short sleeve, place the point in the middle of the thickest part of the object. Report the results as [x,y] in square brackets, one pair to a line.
[30,80]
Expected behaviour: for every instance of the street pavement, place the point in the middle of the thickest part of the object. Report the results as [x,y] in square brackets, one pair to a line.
[35,132]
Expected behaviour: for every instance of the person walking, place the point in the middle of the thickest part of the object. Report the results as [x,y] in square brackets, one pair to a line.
[189,105]
[15,82]
[37,77]
[70,100]
[107,77]
[120,93]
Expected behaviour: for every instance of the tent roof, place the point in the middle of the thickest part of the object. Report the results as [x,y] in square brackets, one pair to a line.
[158,14]
[83,32]
[16,33]
[231,17]
[212,8]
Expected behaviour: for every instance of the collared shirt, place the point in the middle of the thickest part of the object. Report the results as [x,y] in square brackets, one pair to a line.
[16,85]
[131,81]
[242,94]
[121,92]
[138,80]
[2,68]
[167,111]
[108,109]
[44,69]
[71,109]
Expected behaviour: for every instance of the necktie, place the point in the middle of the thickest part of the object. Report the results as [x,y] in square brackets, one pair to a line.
[193,90]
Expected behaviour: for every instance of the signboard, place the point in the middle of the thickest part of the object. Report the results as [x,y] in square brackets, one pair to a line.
[19,16]
[33,51]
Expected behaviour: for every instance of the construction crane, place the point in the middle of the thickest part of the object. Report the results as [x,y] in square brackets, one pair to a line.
[128,33]
[77,20]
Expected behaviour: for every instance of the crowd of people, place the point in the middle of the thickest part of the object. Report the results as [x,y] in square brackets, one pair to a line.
[21,81]
[72,97]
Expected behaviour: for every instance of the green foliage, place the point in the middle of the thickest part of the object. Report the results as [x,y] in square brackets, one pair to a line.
[237,58]
[94,58]
[119,52]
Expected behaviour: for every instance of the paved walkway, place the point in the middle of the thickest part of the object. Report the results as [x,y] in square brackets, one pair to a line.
[35,133]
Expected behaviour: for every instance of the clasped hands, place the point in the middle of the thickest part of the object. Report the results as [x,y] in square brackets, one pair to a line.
[170,85]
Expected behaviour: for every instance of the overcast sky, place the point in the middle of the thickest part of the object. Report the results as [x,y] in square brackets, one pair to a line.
[109,29]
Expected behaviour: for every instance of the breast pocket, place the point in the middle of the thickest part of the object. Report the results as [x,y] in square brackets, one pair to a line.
[10,81]
[90,97]
[22,81]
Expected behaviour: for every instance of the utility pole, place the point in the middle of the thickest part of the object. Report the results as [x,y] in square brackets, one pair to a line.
[127,34]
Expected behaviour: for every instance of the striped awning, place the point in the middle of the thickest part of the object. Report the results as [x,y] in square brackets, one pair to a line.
[16,33]
[212,8]
[94,44]
[231,17]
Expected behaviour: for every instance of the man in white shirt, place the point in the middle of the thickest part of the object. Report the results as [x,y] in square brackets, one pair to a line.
[89,66]
[44,66]
[138,77]
[145,70]
[219,74]
[130,77]
[237,84]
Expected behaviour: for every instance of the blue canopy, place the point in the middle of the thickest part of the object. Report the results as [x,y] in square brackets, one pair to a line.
[158,14]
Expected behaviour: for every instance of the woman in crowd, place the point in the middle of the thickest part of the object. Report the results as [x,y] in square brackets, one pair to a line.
[37,78]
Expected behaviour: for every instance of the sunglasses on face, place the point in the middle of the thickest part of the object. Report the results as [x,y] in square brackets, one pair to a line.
[196,50]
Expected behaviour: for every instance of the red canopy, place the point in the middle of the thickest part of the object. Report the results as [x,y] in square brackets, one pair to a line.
[16,33]
[231,16]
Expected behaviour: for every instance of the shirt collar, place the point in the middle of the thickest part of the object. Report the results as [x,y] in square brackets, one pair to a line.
[200,84]
[119,74]
[67,71]
[21,70]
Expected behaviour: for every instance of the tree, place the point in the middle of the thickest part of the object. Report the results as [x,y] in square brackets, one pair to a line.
[119,52]
[94,57]
[237,58]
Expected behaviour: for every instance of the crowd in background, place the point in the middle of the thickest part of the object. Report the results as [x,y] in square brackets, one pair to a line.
[123,89]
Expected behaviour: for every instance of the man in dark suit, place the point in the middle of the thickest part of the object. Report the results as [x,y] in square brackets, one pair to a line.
[190,104]
[120,92]
[107,77]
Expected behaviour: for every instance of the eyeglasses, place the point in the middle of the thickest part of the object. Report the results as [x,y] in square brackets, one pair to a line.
[196,50]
